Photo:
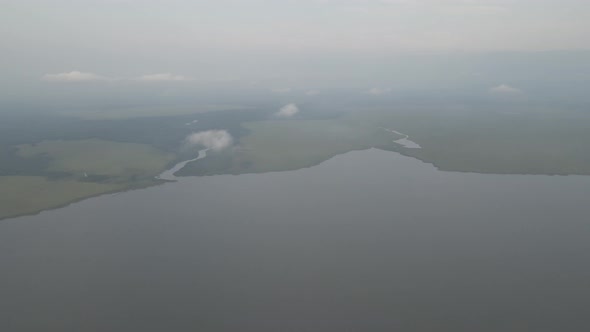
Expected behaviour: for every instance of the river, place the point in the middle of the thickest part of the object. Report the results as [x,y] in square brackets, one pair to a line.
[367,241]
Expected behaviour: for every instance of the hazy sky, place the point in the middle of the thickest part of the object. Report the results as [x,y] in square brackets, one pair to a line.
[52,41]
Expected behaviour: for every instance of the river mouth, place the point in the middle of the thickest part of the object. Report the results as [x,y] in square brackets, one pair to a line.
[168,175]
[368,240]
[405,142]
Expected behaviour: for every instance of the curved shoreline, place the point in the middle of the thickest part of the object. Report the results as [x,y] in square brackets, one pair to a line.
[168,176]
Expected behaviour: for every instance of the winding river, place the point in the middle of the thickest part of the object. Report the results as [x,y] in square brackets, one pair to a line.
[168,175]
[405,142]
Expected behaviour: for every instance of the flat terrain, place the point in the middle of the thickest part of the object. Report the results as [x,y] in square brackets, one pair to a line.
[533,142]
[77,170]
[31,194]
[99,157]
[482,142]
[48,161]
[288,145]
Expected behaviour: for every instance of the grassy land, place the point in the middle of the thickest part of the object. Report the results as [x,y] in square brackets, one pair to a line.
[99,158]
[83,169]
[289,145]
[53,173]
[467,141]
[31,194]
[68,158]
[503,143]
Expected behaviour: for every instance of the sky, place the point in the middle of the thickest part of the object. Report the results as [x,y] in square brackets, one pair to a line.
[309,45]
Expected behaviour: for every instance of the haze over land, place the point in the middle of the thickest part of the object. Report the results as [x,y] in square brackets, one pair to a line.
[104,54]
[102,96]
[279,85]
[277,165]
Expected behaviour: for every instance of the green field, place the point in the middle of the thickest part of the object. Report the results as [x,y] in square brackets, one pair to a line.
[77,170]
[97,157]
[467,141]
[497,142]
[85,154]
[38,172]
[31,194]
[289,145]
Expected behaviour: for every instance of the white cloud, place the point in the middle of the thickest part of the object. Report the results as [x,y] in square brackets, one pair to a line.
[506,90]
[163,77]
[73,76]
[215,140]
[312,92]
[379,91]
[287,111]
[77,76]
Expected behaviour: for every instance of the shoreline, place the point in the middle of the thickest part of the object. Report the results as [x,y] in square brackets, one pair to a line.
[168,176]
[164,177]
[63,205]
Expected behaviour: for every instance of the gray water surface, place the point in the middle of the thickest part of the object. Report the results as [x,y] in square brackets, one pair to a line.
[367,241]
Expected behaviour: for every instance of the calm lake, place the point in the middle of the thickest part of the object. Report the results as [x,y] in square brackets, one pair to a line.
[367,241]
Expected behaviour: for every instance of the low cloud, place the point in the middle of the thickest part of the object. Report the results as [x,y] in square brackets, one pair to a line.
[505,90]
[215,140]
[163,77]
[312,92]
[287,111]
[379,91]
[73,76]
[77,76]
